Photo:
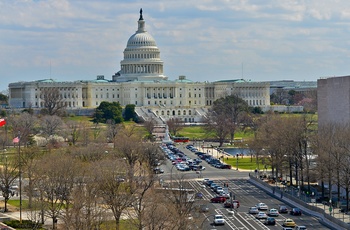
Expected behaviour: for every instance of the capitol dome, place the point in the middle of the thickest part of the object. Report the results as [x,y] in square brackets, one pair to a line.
[141,58]
[141,39]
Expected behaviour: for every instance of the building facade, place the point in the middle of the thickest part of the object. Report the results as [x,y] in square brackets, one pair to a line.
[141,81]
[333,100]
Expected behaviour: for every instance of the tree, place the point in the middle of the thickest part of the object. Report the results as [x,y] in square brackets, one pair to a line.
[73,131]
[50,125]
[175,125]
[108,111]
[129,113]
[54,103]
[226,116]
[23,125]
[109,179]
[55,183]
[8,174]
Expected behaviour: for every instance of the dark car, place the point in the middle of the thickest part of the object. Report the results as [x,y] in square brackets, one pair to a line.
[295,212]
[218,199]
[270,221]
[233,204]
[226,166]
[283,209]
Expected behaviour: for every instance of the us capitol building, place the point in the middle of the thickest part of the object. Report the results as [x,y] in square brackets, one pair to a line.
[141,82]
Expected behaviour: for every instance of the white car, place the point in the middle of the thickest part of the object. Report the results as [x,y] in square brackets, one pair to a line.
[273,212]
[253,210]
[261,215]
[262,206]
[219,220]
[219,190]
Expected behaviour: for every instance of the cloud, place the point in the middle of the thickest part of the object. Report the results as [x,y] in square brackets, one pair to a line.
[204,40]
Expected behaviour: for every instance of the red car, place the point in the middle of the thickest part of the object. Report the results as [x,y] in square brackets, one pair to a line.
[218,199]
[234,204]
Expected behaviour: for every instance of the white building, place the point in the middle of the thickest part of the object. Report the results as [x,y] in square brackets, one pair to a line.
[141,82]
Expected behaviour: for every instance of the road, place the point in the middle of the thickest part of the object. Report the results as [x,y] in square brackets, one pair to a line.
[247,194]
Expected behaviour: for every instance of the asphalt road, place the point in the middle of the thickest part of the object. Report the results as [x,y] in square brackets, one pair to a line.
[247,194]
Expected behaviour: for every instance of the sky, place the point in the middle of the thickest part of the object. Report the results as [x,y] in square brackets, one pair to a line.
[205,40]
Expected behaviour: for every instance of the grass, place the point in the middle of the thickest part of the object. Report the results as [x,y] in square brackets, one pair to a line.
[247,163]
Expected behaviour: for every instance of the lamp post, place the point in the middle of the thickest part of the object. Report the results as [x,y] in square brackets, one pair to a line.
[20,176]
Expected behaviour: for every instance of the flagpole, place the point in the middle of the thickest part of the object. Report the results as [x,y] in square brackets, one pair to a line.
[20,177]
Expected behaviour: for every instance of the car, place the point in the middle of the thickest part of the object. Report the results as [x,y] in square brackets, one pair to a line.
[300,228]
[273,212]
[261,215]
[262,206]
[295,212]
[226,166]
[219,189]
[218,199]
[287,228]
[219,220]
[233,204]
[225,194]
[283,209]
[199,195]
[203,208]
[288,223]
[270,221]
[205,180]
[253,210]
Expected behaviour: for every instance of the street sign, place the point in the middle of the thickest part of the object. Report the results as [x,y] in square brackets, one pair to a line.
[313,200]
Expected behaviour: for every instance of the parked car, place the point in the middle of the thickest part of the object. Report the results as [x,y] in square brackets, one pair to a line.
[295,212]
[218,199]
[270,221]
[253,210]
[283,209]
[226,166]
[219,220]
[261,215]
[289,223]
[262,206]
[273,212]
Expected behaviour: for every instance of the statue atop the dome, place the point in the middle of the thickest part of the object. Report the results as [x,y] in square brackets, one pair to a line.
[141,18]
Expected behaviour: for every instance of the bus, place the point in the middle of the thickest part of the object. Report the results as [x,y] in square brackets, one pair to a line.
[181,139]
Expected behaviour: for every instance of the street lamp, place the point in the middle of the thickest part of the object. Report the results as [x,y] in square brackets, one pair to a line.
[20,177]
[237,162]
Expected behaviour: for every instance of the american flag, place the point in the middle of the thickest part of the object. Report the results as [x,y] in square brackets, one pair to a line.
[15,140]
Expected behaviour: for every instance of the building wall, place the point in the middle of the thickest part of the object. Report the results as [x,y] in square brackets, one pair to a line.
[333,99]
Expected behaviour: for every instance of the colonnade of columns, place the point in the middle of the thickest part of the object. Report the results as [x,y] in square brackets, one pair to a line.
[147,68]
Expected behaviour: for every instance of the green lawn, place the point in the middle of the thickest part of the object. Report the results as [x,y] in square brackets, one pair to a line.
[247,163]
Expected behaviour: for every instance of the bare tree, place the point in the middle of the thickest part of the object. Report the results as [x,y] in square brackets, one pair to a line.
[73,131]
[8,174]
[51,125]
[149,124]
[55,183]
[112,131]
[23,126]
[217,124]
[109,177]
[86,211]
[54,103]
[175,125]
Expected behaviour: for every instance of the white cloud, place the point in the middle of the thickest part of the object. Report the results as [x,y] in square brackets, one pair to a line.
[204,40]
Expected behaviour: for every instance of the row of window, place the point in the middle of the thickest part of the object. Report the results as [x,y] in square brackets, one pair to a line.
[155,55]
[174,113]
